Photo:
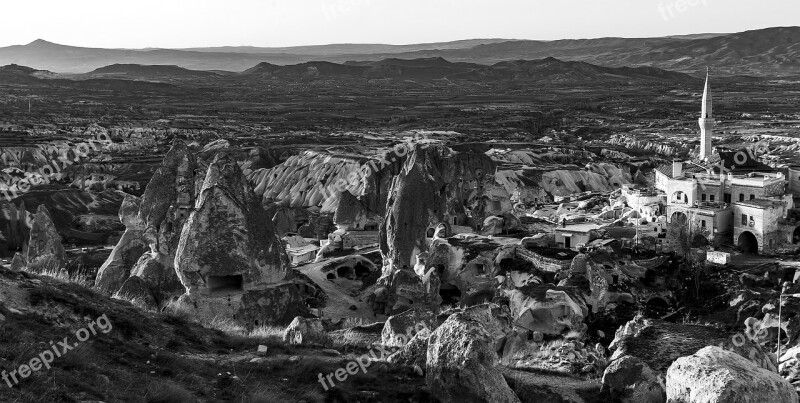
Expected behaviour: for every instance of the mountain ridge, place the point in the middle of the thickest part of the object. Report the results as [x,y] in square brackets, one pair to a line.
[770,51]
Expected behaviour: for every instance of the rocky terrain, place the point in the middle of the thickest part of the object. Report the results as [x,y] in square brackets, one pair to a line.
[472,222]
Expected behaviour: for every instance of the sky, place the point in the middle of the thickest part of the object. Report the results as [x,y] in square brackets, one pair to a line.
[272,23]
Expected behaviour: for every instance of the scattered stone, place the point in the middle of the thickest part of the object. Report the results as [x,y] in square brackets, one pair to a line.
[715,375]
[258,360]
[294,359]
[330,352]
[262,350]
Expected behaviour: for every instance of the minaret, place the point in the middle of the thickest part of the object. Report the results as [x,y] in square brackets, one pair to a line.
[706,122]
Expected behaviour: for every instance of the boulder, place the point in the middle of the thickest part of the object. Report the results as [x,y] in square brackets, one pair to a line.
[415,352]
[162,280]
[631,381]
[495,319]
[462,365]
[18,263]
[714,375]
[400,328]
[306,331]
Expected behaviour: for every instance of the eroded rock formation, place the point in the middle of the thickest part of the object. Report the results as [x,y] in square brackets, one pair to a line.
[44,246]
[229,254]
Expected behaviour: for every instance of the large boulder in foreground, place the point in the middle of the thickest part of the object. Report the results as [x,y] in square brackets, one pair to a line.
[714,375]
[463,365]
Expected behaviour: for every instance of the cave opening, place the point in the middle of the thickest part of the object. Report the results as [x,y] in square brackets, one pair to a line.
[346,272]
[361,270]
[450,295]
[225,284]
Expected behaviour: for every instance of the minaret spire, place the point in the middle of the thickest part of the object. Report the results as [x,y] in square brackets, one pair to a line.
[706,111]
[706,121]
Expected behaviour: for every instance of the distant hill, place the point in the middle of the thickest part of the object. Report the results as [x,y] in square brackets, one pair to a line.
[550,69]
[764,52]
[138,71]
[349,48]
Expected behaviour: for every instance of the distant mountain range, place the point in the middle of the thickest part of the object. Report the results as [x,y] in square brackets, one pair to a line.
[549,71]
[764,52]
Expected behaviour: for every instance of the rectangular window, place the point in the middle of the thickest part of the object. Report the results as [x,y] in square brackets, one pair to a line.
[741,196]
[703,197]
[712,197]
[727,198]
[744,219]
[702,223]
[752,197]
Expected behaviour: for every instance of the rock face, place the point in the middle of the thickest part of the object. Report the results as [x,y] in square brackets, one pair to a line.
[44,246]
[463,365]
[228,252]
[547,309]
[116,269]
[632,381]
[714,375]
[430,189]
[152,232]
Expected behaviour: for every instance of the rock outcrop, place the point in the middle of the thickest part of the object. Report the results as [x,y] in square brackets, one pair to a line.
[547,309]
[430,188]
[130,247]
[153,225]
[462,363]
[229,253]
[714,375]
[44,246]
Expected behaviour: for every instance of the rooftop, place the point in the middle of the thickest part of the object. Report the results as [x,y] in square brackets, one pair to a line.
[760,203]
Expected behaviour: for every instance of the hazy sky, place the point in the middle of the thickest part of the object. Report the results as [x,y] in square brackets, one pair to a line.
[185,23]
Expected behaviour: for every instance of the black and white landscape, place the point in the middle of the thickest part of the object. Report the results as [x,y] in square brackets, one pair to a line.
[508,219]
